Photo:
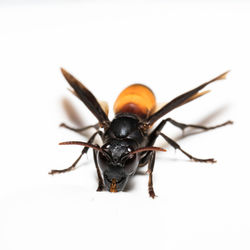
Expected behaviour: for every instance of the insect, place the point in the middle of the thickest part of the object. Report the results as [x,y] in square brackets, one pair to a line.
[128,140]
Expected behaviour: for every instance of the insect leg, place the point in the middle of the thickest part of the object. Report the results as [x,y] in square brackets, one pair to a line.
[177,146]
[152,138]
[157,131]
[96,126]
[84,151]
[182,126]
[150,172]
[100,180]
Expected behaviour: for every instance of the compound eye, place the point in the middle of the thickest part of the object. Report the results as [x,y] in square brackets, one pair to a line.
[131,164]
[102,161]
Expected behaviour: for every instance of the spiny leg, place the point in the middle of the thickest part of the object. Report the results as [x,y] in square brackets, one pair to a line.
[183,126]
[177,146]
[84,151]
[96,126]
[153,136]
[150,172]
[100,180]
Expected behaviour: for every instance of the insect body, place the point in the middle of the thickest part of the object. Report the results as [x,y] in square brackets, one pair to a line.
[128,142]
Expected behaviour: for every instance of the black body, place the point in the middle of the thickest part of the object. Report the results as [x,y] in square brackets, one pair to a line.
[124,135]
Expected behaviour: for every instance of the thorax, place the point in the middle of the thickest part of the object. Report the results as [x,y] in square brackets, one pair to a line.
[126,126]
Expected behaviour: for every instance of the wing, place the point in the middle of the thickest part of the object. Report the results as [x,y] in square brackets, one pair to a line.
[105,106]
[87,98]
[181,100]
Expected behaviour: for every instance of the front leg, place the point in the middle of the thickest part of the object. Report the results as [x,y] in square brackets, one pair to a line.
[100,180]
[84,151]
[150,172]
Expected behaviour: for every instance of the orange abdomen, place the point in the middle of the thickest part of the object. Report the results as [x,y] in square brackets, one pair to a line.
[137,99]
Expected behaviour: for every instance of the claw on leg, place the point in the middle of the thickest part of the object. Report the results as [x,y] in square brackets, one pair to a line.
[100,188]
[151,193]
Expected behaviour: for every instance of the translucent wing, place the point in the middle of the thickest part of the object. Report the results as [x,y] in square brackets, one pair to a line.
[181,100]
[87,98]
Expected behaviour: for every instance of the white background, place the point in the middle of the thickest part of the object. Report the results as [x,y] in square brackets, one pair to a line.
[172,46]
